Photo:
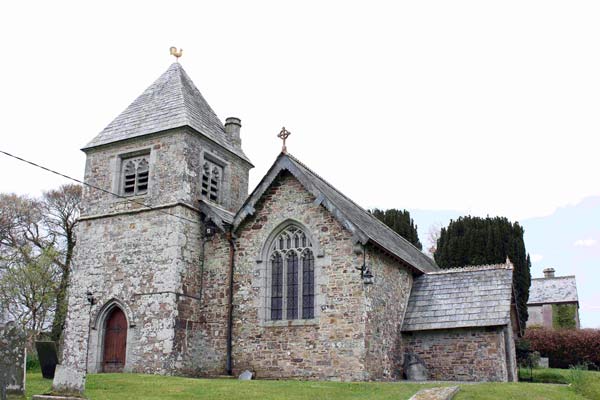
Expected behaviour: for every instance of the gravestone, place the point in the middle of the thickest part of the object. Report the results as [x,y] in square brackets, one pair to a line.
[68,384]
[245,376]
[68,380]
[12,359]
[414,368]
[48,356]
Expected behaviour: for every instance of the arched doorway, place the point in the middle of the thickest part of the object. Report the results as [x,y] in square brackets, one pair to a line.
[115,341]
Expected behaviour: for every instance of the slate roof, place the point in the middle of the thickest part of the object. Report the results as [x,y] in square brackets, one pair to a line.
[560,289]
[460,297]
[365,227]
[172,101]
[219,216]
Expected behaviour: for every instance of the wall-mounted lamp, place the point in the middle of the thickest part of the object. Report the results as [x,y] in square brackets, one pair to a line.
[209,231]
[90,298]
[365,273]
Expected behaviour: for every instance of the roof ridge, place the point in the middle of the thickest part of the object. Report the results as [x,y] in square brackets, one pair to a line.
[555,277]
[471,268]
[357,205]
[181,71]
[214,205]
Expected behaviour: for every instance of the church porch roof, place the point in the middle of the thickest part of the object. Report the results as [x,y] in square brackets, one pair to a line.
[216,214]
[459,298]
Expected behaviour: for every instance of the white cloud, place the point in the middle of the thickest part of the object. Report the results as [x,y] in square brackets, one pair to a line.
[536,257]
[585,243]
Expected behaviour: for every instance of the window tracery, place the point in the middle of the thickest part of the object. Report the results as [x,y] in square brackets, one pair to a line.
[135,176]
[212,175]
[292,268]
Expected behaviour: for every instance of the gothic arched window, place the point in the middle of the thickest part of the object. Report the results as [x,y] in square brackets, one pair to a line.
[212,175]
[135,176]
[292,265]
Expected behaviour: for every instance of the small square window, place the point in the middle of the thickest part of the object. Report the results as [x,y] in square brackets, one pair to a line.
[134,175]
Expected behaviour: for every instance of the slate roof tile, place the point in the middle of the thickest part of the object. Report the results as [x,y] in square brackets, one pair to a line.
[461,297]
[356,219]
[560,289]
[172,101]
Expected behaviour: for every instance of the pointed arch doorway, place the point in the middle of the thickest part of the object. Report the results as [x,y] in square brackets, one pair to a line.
[115,341]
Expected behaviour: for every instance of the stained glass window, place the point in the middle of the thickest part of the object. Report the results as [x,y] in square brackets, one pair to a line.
[276,287]
[292,275]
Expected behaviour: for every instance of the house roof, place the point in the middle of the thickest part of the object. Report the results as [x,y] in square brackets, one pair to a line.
[460,297]
[172,101]
[364,226]
[560,289]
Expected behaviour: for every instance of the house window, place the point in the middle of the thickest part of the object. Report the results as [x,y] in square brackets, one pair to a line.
[135,175]
[212,178]
[292,264]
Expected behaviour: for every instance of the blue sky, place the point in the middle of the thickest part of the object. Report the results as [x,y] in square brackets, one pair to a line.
[567,240]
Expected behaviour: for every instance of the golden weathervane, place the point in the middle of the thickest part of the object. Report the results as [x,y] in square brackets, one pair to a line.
[283,135]
[176,53]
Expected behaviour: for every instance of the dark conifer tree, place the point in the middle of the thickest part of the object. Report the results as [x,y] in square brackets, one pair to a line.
[401,223]
[477,241]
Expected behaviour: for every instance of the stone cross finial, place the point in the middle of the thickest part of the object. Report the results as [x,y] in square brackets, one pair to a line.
[283,135]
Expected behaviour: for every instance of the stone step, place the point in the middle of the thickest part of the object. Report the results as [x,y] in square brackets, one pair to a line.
[439,393]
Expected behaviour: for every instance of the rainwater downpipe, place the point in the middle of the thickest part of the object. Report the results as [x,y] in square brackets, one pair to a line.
[202,257]
[230,310]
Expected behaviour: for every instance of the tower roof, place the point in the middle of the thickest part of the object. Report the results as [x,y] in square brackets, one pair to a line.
[172,101]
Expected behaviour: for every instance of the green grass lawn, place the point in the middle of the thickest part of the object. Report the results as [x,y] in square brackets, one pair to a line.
[150,387]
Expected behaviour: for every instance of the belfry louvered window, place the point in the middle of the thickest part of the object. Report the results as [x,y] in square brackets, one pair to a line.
[135,176]
[292,266]
[212,176]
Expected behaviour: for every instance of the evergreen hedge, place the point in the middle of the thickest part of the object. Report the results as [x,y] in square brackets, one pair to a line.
[479,241]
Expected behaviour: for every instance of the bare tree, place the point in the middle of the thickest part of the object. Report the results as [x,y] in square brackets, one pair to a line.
[27,292]
[61,209]
[33,231]
[433,234]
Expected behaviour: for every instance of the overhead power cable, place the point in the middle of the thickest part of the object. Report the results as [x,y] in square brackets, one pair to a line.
[96,187]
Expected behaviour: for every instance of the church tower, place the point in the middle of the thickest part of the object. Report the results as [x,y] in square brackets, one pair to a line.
[134,300]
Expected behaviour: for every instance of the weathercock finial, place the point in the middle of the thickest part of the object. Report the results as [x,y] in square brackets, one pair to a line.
[176,53]
[283,135]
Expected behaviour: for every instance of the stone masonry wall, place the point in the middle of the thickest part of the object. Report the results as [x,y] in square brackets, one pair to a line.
[201,327]
[331,346]
[236,171]
[136,261]
[386,304]
[511,351]
[466,354]
[167,166]
[147,263]
[176,159]
[540,315]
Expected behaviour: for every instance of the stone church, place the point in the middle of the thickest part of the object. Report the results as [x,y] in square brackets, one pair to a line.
[179,270]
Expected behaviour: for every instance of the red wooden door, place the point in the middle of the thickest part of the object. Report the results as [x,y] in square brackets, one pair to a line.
[115,339]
